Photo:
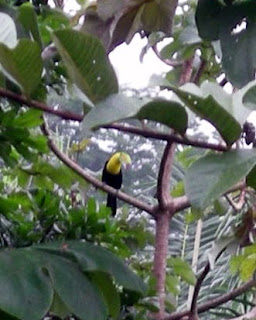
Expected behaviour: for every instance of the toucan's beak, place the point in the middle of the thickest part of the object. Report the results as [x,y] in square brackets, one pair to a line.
[127,166]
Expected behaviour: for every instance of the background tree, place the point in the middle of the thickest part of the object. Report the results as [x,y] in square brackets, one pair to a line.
[189,199]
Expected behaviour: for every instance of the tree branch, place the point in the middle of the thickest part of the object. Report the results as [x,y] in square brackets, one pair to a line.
[160,256]
[147,133]
[163,183]
[66,115]
[249,315]
[199,72]
[187,70]
[216,301]
[163,217]
[94,181]
[181,203]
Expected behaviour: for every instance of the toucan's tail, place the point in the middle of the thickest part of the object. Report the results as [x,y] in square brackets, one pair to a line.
[111,203]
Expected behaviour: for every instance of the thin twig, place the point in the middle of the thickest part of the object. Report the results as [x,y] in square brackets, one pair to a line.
[94,181]
[216,301]
[169,62]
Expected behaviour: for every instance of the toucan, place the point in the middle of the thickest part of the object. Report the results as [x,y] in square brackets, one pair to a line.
[112,175]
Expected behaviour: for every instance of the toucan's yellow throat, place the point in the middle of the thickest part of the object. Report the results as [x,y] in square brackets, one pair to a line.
[115,162]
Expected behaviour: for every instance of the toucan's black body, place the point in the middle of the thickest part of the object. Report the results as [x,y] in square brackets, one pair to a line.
[115,181]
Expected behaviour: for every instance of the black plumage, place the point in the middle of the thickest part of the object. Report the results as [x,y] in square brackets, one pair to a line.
[115,181]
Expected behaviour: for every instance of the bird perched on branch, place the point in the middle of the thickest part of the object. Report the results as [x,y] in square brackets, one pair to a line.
[112,175]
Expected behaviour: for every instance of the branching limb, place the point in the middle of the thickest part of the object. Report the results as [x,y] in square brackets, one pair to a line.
[66,115]
[216,301]
[94,181]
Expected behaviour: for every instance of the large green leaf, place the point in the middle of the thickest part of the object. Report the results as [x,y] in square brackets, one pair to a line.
[23,64]
[94,258]
[239,55]
[214,174]
[166,112]
[207,19]
[213,105]
[78,293]
[109,292]
[216,20]
[170,113]
[87,63]
[8,34]
[25,291]
[28,18]
[66,278]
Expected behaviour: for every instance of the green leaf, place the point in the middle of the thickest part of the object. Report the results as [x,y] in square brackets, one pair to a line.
[182,268]
[80,296]
[166,112]
[178,189]
[87,63]
[207,19]
[121,107]
[216,20]
[207,103]
[8,34]
[51,19]
[109,292]
[23,64]
[251,178]
[25,291]
[249,96]
[94,258]
[58,307]
[248,267]
[157,16]
[29,119]
[239,66]
[212,175]
[172,284]
[28,18]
